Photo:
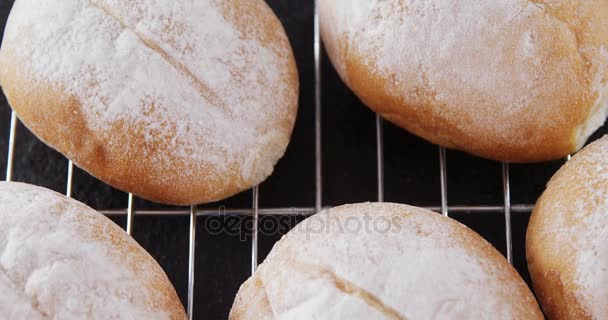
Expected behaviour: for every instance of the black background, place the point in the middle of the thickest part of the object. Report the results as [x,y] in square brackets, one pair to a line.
[349,175]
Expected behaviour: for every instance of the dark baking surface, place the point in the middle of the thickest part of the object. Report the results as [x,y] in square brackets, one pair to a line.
[349,175]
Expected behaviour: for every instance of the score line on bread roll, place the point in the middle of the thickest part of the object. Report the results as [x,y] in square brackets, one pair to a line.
[567,238]
[384,261]
[60,259]
[512,80]
[176,101]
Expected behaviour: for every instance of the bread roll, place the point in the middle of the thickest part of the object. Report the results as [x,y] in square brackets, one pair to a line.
[511,80]
[177,101]
[60,259]
[383,261]
[567,239]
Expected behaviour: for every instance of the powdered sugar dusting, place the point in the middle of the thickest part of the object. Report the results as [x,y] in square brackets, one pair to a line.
[57,262]
[412,260]
[193,85]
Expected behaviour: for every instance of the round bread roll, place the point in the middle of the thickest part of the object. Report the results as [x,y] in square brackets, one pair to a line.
[384,261]
[567,239]
[177,101]
[513,80]
[60,259]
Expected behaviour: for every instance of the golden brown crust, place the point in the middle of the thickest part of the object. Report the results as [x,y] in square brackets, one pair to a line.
[88,149]
[118,155]
[552,276]
[251,302]
[165,296]
[548,124]
[559,233]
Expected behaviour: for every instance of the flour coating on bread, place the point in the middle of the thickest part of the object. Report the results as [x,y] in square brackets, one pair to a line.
[507,79]
[383,261]
[59,259]
[599,111]
[195,90]
[568,234]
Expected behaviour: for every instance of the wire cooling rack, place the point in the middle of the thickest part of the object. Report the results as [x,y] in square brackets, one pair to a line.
[255,211]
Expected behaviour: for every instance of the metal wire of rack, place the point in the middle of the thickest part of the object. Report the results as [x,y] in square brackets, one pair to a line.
[507,208]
